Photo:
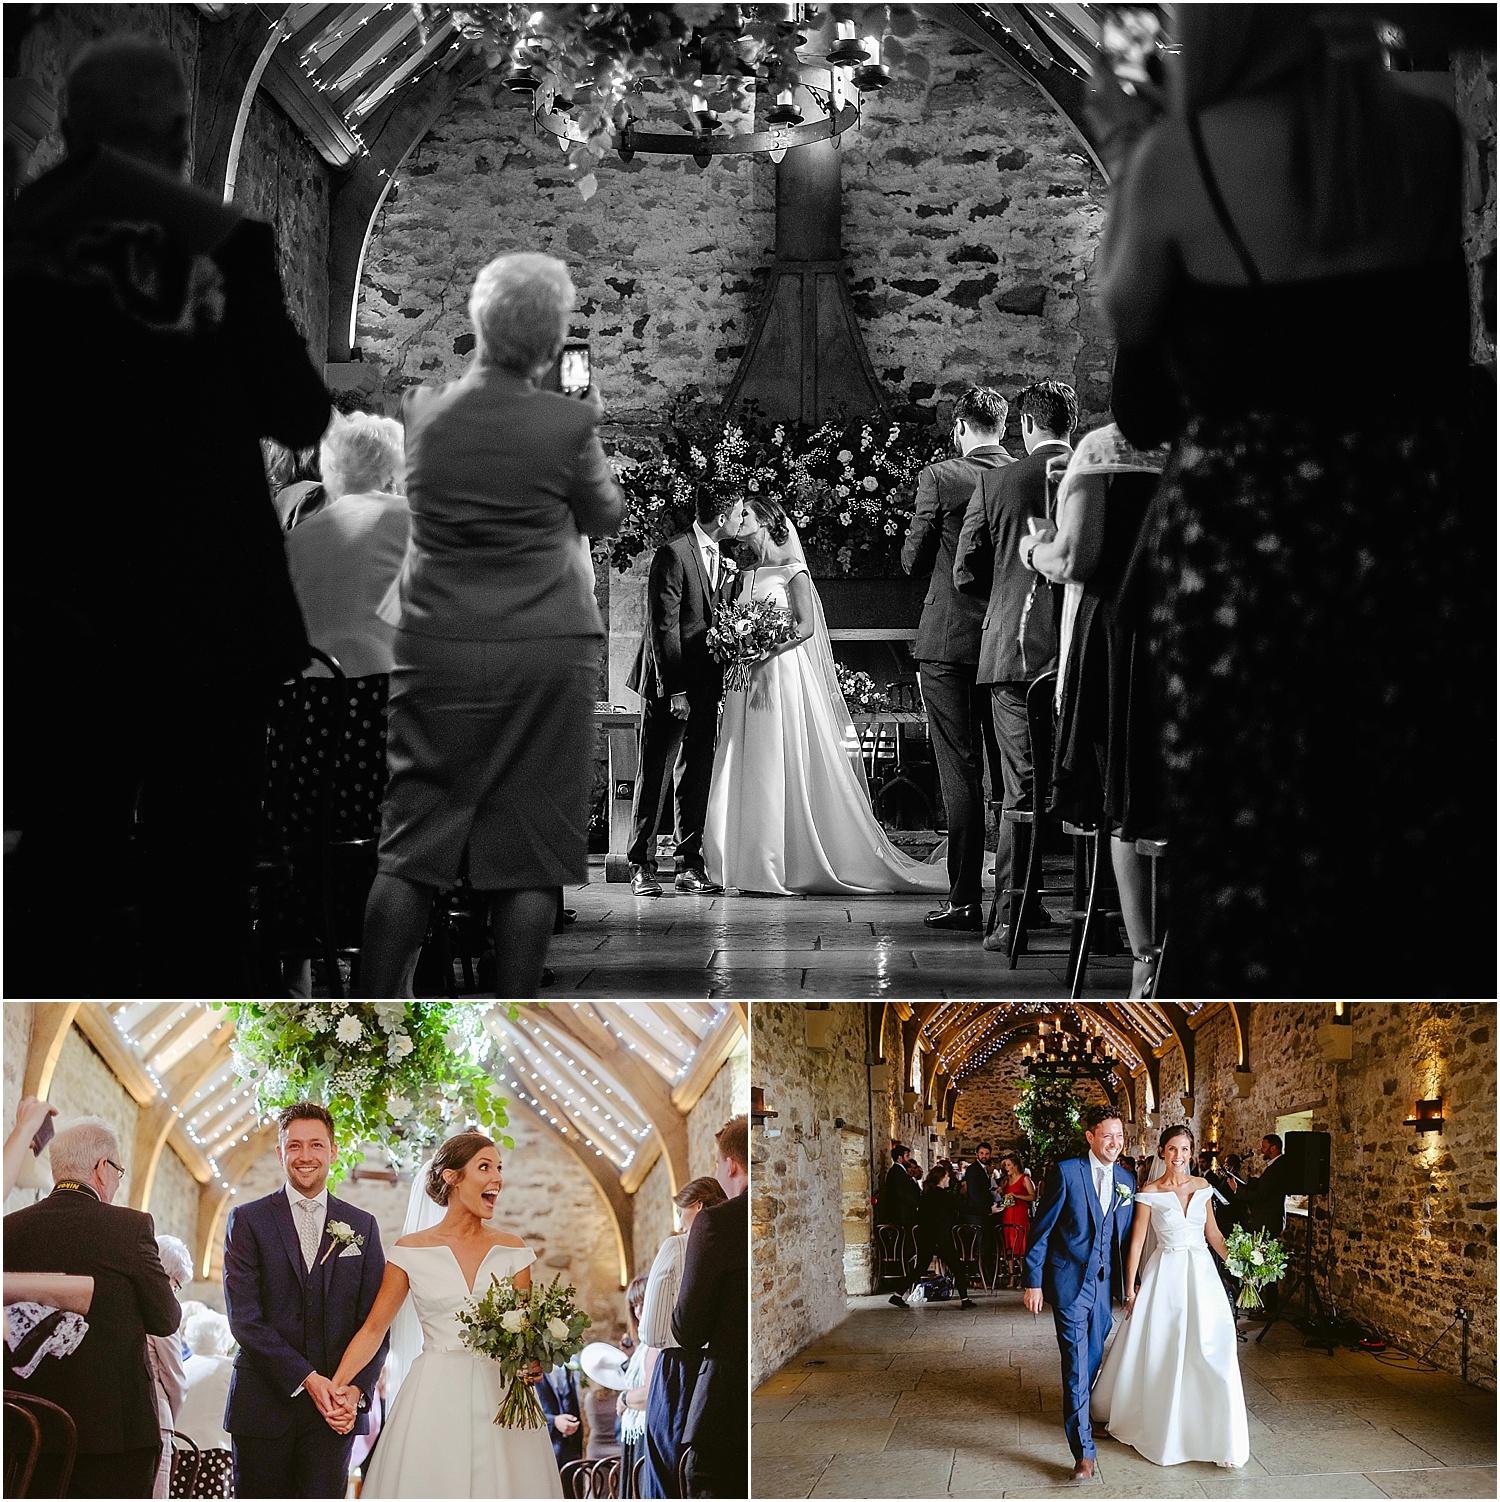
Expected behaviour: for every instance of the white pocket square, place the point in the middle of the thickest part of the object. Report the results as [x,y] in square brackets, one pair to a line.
[350,1251]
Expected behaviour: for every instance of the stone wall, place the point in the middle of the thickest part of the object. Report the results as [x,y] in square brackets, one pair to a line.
[653,1217]
[282,180]
[807,1233]
[987,1101]
[84,1085]
[728,1095]
[174,1198]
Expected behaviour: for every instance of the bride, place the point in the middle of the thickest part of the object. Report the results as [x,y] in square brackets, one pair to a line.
[440,1439]
[1170,1385]
[788,807]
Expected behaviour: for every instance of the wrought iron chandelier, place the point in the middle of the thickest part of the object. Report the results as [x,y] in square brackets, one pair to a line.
[1060,1052]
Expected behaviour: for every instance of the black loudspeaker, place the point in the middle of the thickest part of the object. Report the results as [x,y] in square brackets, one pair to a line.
[1308,1159]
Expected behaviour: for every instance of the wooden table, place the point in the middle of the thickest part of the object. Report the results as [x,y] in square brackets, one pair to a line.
[622,727]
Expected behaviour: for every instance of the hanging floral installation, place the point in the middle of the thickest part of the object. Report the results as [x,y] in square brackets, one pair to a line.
[593,69]
[848,487]
[402,1074]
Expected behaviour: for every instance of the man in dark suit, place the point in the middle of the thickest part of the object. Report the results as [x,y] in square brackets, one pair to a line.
[104,1384]
[901,1195]
[681,685]
[981,1202]
[173,599]
[296,1296]
[1020,631]
[947,648]
[561,1401]
[1262,1204]
[712,1315]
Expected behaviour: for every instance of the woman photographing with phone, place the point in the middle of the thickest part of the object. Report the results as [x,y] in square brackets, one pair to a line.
[1314,577]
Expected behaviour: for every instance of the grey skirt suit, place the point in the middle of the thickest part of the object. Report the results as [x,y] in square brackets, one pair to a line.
[491,747]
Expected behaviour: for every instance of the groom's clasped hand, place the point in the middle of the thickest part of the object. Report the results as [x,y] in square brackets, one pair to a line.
[338,1405]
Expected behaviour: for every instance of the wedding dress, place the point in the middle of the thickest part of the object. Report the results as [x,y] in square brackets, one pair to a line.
[788,809]
[1169,1385]
[440,1438]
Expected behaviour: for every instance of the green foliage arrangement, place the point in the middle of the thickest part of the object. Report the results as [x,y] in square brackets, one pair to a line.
[1255,1258]
[848,486]
[398,1073]
[859,691]
[598,67]
[1051,1115]
[516,1327]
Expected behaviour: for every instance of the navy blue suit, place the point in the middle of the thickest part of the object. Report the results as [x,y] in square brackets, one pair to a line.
[291,1322]
[1076,1256]
[568,1447]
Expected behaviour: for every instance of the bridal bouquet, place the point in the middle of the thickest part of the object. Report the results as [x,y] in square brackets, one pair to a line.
[516,1327]
[1255,1258]
[743,634]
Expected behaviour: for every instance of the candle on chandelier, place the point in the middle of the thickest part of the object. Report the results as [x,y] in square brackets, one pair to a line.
[872,46]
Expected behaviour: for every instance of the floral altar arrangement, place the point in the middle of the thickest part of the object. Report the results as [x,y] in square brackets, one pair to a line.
[514,1329]
[743,634]
[1255,1258]
[398,1073]
[848,487]
[860,693]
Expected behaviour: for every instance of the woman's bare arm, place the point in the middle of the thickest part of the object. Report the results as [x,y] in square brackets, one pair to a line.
[360,1351]
[800,597]
[1212,1234]
[1133,1256]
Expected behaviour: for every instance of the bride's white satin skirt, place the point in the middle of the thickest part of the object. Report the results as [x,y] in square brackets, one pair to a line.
[786,811]
[440,1438]
[1169,1385]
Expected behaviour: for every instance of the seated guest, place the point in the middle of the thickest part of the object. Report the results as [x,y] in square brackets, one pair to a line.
[344,559]
[164,1358]
[1107,762]
[207,1371]
[713,1315]
[104,1384]
[937,1215]
[497,647]
[562,1402]
[671,1371]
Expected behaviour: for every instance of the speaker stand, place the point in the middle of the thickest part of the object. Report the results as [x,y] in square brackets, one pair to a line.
[1303,1278]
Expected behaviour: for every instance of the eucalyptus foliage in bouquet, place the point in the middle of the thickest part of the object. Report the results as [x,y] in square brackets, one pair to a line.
[403,1074]
[743,633]
[1255,1258]
[515,1328]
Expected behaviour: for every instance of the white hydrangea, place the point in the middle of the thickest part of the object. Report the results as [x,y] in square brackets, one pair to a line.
[401,1045]
[398,1106]
[349,1030]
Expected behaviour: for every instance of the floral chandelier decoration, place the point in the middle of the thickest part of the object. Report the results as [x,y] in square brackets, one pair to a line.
[403,1074]
[848,487]
[602,76]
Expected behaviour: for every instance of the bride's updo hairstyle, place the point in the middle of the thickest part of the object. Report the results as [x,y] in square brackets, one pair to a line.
[1182,1129]
[455,1153]
[771,517]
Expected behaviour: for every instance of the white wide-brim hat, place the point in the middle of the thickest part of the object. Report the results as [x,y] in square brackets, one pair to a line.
[604,1365]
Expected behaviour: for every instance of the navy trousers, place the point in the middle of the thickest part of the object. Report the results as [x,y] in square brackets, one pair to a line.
[310,1461]
[1082,1329]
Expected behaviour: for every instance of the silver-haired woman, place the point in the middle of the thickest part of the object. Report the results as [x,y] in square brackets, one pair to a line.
[491,747]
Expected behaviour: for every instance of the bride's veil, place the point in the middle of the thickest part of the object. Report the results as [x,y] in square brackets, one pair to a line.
[820,649]
[422,1211]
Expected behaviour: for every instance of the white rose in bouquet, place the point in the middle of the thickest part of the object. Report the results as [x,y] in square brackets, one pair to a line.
[514,1320]
[557,1329]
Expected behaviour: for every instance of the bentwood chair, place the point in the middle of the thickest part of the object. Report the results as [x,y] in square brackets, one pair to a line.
[23,1443]
[186,1460]
[575,1477]
[891,1241]
[968,1241]
[49,1419]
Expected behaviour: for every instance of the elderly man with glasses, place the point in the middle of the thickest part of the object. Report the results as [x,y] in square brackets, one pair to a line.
[103,1383]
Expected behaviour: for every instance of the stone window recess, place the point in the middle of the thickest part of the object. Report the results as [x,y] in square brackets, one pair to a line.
[30,113]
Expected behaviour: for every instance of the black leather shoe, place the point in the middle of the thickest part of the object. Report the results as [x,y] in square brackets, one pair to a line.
[696,882]
[643,883]
[1039,918]
[967,1304]
[898,1301]
[969,919]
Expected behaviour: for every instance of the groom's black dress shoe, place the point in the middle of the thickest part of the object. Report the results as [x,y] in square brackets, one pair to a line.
[696,881]
[967,1304]
[898,1301]
[968,919]
[643,883]
[1083,1473]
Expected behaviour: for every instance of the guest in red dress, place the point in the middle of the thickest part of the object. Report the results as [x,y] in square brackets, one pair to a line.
[1015,1220]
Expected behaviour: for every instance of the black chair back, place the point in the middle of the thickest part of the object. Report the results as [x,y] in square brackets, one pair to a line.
[186,1459]
[576,1476]
[23,1443]
[49,1418]
[1039,725]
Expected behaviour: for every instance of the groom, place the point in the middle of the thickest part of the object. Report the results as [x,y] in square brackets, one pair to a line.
[1076,1261]
[681,685]
[301,1271]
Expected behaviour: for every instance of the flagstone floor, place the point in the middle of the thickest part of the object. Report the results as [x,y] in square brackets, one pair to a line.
[944,1402]
[813,947]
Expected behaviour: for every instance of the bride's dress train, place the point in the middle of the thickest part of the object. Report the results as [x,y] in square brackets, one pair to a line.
[1169,1385]
[440,1438]
[787,811]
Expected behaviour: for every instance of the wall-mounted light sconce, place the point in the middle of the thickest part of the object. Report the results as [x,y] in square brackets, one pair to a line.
[1428,1118]
[1336,1035]
[880,1078]
[758,1112]
[820,1019]
[910,1100]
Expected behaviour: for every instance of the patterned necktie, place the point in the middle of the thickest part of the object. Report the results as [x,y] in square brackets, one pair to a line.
[711,566]
[307,1230]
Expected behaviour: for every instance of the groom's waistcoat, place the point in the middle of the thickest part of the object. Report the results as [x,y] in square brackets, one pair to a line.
[1073,1236]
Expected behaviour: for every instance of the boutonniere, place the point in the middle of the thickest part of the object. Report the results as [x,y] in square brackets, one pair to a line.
[728,568]
[340,1233]
[1123,1195]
